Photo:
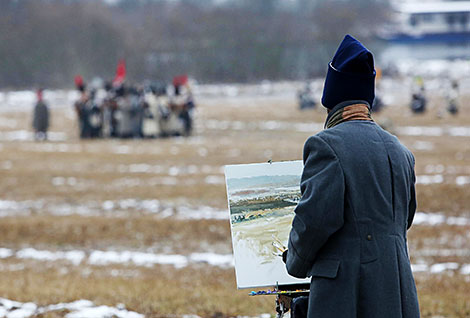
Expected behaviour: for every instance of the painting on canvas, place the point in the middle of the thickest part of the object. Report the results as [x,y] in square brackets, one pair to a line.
[262,198]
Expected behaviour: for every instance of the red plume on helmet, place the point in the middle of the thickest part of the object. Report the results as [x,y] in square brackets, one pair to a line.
[120,73]
[39,94]
[78,80]
[180,80]
[79,84]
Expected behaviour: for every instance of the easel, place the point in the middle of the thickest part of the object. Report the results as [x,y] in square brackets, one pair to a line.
[284,296]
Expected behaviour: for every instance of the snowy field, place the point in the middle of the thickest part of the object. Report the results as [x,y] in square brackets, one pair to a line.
[140,228]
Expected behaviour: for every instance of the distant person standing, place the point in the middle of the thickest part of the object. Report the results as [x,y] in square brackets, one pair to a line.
[182,105]
[306,98]
[82,114]
[40,118]
[95,116]
[452,97]
[125,114]
[418,97]
[81,109]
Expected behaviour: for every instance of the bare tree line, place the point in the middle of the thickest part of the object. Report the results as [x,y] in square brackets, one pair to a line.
[47,42]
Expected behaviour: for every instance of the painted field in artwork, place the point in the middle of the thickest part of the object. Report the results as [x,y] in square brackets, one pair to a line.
[262,198]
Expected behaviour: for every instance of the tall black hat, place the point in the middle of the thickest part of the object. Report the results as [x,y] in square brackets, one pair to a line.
[351,74]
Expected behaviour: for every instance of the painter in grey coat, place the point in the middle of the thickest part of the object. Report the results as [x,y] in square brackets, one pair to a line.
[349,229]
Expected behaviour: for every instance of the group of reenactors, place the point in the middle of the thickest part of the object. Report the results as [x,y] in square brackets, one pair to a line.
[143,111]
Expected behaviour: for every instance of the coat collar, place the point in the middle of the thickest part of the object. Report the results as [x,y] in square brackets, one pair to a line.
[342,105]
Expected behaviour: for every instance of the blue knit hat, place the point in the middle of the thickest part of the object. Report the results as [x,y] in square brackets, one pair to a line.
[351,74]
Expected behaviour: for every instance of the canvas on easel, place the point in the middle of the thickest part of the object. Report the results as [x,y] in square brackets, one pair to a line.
[262,198]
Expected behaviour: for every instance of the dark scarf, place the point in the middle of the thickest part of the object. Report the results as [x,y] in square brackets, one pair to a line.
[353,111]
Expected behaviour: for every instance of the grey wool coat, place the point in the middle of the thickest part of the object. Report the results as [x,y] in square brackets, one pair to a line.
[349,229]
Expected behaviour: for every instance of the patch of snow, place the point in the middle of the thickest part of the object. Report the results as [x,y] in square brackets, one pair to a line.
[5,252]
[213,259]
[443,252]
[214,180]
[462,180]
[75,305]
[103,312]
[26,310]
[102,258]
[419,267]
[422,218]
[9,304]
[174,171]
[459,131]
[201,213]
[442,267]
[75,257]
[429,179]
[420,131]
[78,309]
[268,125]
[24,135]
[434,131]
[465,269]
[150,259]
[108,205]
[457,220]
[434,168]
[137,258]
[423,145]
[110,208]
[432,67]
[230,91]
[190,316]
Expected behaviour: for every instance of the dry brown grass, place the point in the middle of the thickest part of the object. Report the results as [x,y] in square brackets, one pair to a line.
[200,289]
[160,291]
[444,296]
[135,232]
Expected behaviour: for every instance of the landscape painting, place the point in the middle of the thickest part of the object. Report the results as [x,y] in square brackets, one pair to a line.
[262,198]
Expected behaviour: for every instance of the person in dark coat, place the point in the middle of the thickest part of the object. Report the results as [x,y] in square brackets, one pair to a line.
[358,201]
[40,118]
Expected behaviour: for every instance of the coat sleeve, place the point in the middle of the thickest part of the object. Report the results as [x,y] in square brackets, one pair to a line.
[320,212]
[412,204]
